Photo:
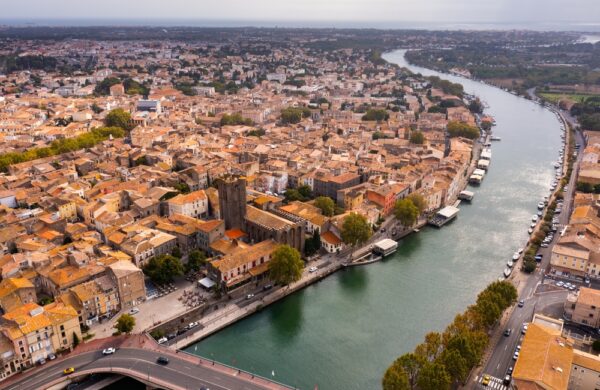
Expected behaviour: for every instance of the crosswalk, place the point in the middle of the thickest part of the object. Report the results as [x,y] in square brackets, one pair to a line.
[495,383]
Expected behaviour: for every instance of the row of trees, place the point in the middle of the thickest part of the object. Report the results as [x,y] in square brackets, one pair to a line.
[444,360]
[374,114]
[60,146]
[302,193]
[292,115]
[588,188]
[235,119]
[462,129]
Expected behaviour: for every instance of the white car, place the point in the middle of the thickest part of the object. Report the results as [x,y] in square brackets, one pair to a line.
[162,340]
[192,325]
[312,269]
[108,351]
[134,311]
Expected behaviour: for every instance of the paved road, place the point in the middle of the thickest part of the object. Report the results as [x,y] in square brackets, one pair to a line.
[179,373]
[501,358]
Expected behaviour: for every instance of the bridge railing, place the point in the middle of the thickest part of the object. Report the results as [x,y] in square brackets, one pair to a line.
[250,374]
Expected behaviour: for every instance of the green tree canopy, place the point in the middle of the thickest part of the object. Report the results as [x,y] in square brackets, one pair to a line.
[418,200]
[417,137]
[235,120]
[356,229]
[163,268]
[462,129]
[196,260]
[125,324]
[434,376]
[406,212]
[378,115]
[286,265]
[292,115]
[326,205]
[118,118]
[305,191]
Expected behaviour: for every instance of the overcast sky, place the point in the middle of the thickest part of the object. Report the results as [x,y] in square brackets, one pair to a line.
[584,12]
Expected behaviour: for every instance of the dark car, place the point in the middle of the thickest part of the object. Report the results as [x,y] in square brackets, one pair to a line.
[506,380]
[521,303]
[162,360]
[507,332]
[267,287]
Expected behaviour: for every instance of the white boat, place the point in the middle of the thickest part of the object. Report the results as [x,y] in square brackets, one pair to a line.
[534,218]
[516,257]
[541,206]
[495,138]
[530,230]
[520,251]
[510,264]
[507,272]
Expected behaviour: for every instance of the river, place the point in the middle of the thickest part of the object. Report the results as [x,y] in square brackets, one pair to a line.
[343,332]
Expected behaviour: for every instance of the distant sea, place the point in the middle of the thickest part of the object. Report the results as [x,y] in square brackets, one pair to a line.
[537,26]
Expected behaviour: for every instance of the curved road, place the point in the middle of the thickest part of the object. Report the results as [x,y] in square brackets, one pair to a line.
[140,364]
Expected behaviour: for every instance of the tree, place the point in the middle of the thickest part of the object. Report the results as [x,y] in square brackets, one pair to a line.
[305,191]
[417,137]
[176,252]
[75,340]
[292,115]
[235,120]
[292,194]
[125,324]
[326,205]
[433,376]
[378,115]
[476,107]
[455,364]
[395,378]
[118,118]
[462,129]
[596,345]
[286,265]
[313,244]
[406,212]
[196,260]
[163,268]
[355,229]
[418,200]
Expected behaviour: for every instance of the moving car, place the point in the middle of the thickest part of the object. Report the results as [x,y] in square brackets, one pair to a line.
[507,332]
[506,380]
[521,303]
[162,360]
[108,351]
[69,370]
[249,296]
[267,287]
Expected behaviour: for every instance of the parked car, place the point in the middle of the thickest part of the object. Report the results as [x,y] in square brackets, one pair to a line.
[312,269]
[267,287]
[42,361]
[192,325]
[516,355]
[134,311]
[506,380]
[249,296]
[524,329]
[51,356]
[108,351]
[162,360]
[162,340]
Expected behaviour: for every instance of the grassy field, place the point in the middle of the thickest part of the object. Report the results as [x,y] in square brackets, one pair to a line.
[555,97]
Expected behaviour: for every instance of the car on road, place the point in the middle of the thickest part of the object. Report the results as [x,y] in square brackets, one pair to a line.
[521,303]
[560,283]
[524,329]
[192,325]
[516,355]
[312,269]
[162,360]
[506,380]
[69,370]
[204,388]
[108,351]
[486,380]
[249,296]
[510,370]
[507,332]
[544,245]
[134,311]
[267,287]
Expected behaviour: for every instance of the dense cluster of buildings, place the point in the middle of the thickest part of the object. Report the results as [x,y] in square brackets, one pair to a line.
[76,229]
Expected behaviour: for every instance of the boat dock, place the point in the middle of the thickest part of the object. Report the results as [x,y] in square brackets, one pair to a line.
[444,216]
